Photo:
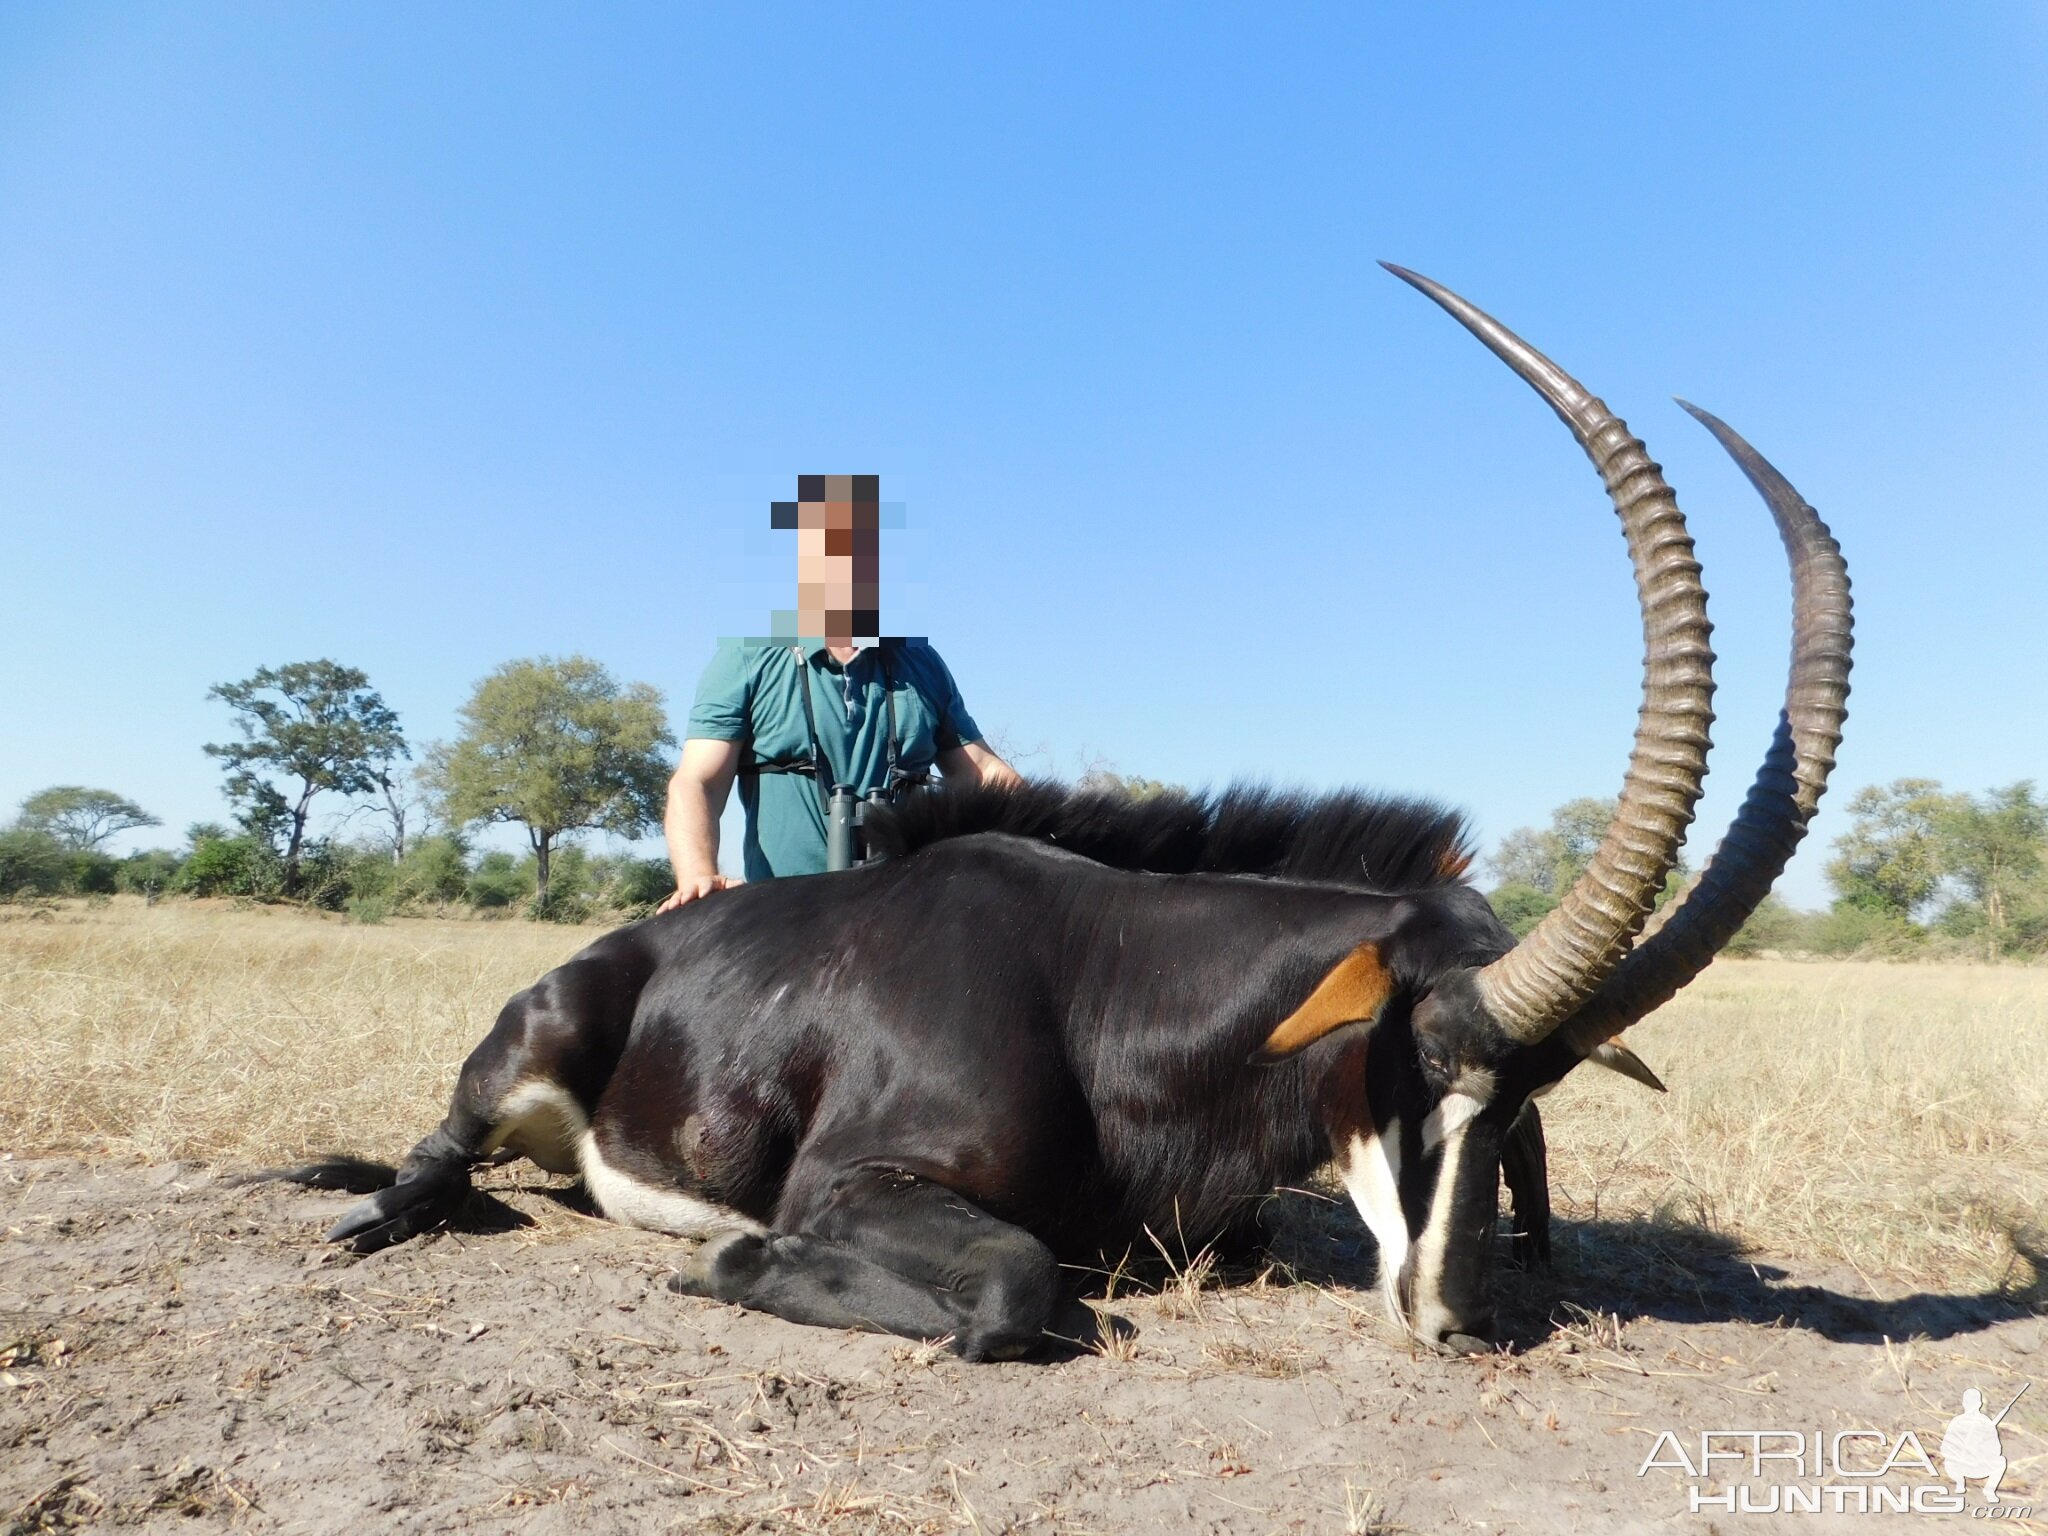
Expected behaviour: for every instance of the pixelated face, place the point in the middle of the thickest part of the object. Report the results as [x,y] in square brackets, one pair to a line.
[837,520]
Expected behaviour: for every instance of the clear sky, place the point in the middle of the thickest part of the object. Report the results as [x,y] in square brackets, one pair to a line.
[429,337]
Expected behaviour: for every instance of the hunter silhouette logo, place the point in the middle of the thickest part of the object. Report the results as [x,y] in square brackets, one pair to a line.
[1972,1446]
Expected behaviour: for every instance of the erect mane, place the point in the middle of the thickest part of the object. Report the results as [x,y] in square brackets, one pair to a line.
[1371,842]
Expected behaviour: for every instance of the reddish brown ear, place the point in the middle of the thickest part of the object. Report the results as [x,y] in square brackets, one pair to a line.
[1357,988]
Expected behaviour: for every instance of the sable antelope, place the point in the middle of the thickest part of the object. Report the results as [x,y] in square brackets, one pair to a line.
[899,1097]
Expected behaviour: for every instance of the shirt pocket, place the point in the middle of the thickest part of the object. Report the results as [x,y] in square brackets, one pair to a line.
[917,729]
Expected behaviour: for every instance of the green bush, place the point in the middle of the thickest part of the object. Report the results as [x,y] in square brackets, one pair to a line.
[557,909]
[368,909]
[434,872]
[581,886]
[32,863]
[2030,934]
[639,883]
[371,874]
[232,866]
[1521,906]
[573,880]
[499,881]
[147,874]
[1961,920]
[1853,929]
[327,875]
[1773,926]
[88,872]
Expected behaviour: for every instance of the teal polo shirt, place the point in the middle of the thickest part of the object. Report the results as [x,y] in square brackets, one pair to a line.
[749,694]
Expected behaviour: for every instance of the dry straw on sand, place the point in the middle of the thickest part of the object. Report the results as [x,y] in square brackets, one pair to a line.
[1889,1117]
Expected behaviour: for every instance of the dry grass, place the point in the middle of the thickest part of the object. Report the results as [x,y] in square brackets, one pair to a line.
[1889,1117]
[197,1031]
[1892,1118]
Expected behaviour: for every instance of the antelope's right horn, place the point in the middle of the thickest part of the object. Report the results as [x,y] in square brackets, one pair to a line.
[1780,804]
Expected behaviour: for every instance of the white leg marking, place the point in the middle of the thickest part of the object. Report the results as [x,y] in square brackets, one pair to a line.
[540,1119]
[635,1204]
[1371,1171]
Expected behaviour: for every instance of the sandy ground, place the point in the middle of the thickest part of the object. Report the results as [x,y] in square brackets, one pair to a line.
[180,1354]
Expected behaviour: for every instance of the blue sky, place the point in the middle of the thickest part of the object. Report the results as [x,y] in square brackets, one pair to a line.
[427,338]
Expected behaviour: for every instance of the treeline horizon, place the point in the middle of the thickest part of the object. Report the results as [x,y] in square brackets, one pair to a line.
[558,747]
[1921,872]
[555,746]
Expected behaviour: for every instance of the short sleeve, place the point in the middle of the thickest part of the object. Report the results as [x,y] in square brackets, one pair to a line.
[719,712]
[956,726]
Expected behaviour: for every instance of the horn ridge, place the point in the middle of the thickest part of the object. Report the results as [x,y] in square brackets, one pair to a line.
[1776,812]
[1564,961]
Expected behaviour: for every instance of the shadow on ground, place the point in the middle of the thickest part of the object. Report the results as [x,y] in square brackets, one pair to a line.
[1660,1266]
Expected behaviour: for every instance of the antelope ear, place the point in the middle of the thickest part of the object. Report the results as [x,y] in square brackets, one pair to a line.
[1616,1057]
[1356,989]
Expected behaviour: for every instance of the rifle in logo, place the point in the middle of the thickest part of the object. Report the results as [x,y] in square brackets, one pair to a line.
[1972,1446]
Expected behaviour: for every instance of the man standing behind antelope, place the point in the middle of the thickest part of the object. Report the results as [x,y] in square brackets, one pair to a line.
[833,705]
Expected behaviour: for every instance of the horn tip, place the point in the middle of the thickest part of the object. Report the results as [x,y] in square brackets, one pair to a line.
[1616,1057]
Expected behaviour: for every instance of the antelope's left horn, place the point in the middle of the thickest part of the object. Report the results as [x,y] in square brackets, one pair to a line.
[1546,978]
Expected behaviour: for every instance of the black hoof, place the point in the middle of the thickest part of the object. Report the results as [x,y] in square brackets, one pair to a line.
[980,1346]
[723,1266]
[1529,1251]
[406,1209]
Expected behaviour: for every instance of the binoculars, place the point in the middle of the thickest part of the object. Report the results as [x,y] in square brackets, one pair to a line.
[846,843]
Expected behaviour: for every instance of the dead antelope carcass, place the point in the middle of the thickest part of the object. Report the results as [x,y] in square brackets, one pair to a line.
[901,1096]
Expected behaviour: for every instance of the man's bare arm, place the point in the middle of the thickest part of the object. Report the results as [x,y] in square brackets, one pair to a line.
[973,763]
[697,793]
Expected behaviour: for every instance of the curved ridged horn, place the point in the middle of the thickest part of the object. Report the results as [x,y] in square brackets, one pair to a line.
[1780,804]
[1544,979]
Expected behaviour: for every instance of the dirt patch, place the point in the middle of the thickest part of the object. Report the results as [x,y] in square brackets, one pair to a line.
[176,1353]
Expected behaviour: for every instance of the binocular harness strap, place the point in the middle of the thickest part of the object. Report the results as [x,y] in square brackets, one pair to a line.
[819,768]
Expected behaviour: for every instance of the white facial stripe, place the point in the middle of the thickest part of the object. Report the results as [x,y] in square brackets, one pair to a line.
[1471,1091]
[1450,1116]
[1476,1083]
[1371,1171]
[629,1201]
[1426,1286]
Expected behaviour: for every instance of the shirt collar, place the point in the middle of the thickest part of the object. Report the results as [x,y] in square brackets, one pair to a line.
[814,646]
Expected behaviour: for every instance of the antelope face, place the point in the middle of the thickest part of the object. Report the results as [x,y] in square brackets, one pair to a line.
[1443,1085]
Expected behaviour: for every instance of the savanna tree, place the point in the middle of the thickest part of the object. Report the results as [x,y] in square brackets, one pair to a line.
[81,818]
[1890,860]
[556,746]
[1991,846]
[307,728]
